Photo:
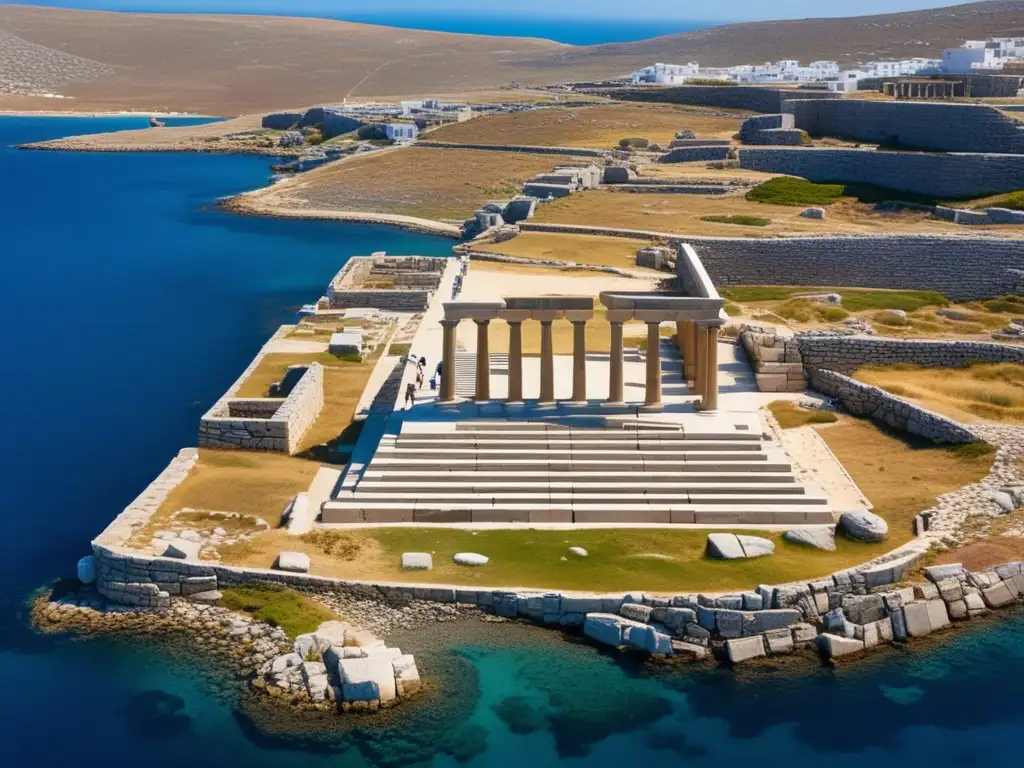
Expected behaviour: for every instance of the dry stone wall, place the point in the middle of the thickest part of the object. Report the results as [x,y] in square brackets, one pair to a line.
[961,268]
[845,354]
[862,399]
[753,98]
[939,175]
[695,154]
[913,124]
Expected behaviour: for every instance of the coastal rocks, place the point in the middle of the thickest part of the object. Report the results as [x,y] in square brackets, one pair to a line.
[295,562]
[87,570]
[367,682]
[407,676]
[607,628]
[817,536]
[863,526]
[417,561]
[730,546]
[834,646]
[469,558]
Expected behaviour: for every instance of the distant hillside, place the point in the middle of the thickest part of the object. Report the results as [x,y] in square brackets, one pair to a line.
[846,40]
[235,64]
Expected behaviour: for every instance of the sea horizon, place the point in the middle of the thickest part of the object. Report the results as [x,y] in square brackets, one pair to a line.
[560,29]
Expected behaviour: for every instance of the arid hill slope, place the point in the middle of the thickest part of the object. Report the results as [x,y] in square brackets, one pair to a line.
[236,64]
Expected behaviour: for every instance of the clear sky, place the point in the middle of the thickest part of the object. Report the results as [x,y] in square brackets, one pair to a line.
[734,10]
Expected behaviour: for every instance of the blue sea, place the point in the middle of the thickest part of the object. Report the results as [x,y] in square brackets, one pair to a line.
[570,28]
[129,304]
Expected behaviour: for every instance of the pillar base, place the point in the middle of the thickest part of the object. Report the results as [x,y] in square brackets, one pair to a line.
[576,403]
[652,408]
[703,408]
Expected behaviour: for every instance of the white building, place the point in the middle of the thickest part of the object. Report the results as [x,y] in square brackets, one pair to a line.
[667,74]
[402,131]
[982,54]
[846,81]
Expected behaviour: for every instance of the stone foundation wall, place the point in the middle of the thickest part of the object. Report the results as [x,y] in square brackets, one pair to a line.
[845,354]
[753,98]
[776,360]
[249,427]
[878,405]
[940,175]
[961,268]
[393,301]
[912,124]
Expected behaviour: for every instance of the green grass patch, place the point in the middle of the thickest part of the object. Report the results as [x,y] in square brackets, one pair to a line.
[1014,201]
[854,299]
[743,221]
[805,311]
[278,606]
[789,190]
[1006,304]
[733,310]
[400,349]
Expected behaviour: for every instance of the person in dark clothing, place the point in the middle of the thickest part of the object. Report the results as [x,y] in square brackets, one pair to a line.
[410,395]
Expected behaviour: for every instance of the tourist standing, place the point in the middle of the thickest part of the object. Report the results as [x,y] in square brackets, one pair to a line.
[410,395]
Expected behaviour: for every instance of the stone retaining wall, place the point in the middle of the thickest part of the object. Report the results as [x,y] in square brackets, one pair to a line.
[937,175]
[753,98]
[845,354]
[912,124]
[776,360]
[862,399]
[271,424]
[695,154]
[961,268]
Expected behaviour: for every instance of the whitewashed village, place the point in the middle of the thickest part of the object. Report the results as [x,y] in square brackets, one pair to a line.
[840,294]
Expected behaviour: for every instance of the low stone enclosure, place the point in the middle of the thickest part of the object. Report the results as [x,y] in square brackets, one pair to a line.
[388,283]
[772,129]
[275,423]
[821,363]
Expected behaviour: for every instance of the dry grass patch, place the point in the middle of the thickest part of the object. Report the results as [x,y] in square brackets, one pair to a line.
[250,484]
[599,126]
[412,181]
[980,392]
[684,214]
[581,249]
[900,475]
[790,415]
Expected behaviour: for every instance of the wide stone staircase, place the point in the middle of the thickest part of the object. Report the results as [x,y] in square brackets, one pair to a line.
[514,471]
[465,372]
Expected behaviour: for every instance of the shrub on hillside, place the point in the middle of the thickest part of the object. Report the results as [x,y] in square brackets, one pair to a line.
[1014,201]
[635,143]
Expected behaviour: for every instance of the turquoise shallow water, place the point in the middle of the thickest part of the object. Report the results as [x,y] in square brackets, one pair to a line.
[128,305]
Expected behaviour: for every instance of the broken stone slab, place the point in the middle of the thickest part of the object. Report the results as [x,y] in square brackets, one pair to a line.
[636,612]
[755,546]
[294,562]
[834,646]
[725,546]
[607,628]
[744,648]
[817,536]
[314,675]
[997,595]
[209,596]
[803,633]
[647,638]
[182,549]
[779,641]
[1003,500]
[469,558]
[862,525]
[937,573]
[691,650]
[863,609]
[417,561]
[281,663]
[916,619]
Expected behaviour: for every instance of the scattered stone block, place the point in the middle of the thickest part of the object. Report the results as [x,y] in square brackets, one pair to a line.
[605,628]
[779,641]
[813,213]
[470,558]
[925,591]
[370,679]
[916,618]
[407,676]
[636,612]
[937,615]
[862,525]
[647,638]
[314,675]
[418,561]
[579,551]
[755,546]
[692,650]
[958,610]
[182,549]
[975,603]
[803,633]
[677,618]
[210,596]
[817,536]
[295,562]
[744,648]
[724,546]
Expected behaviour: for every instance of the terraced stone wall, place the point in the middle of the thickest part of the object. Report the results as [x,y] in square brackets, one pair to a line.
[913,124]
[753,98]
[952,176]
[874,403]
[695,154]
[845,354]
[961,268]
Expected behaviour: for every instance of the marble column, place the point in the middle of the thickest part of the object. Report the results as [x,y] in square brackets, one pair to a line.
[547,364]
[710,399]
[690,347]
[701,349]
[615,381]
[483,361]
[448,361]
[515,361]
[579,361]
[652,392]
